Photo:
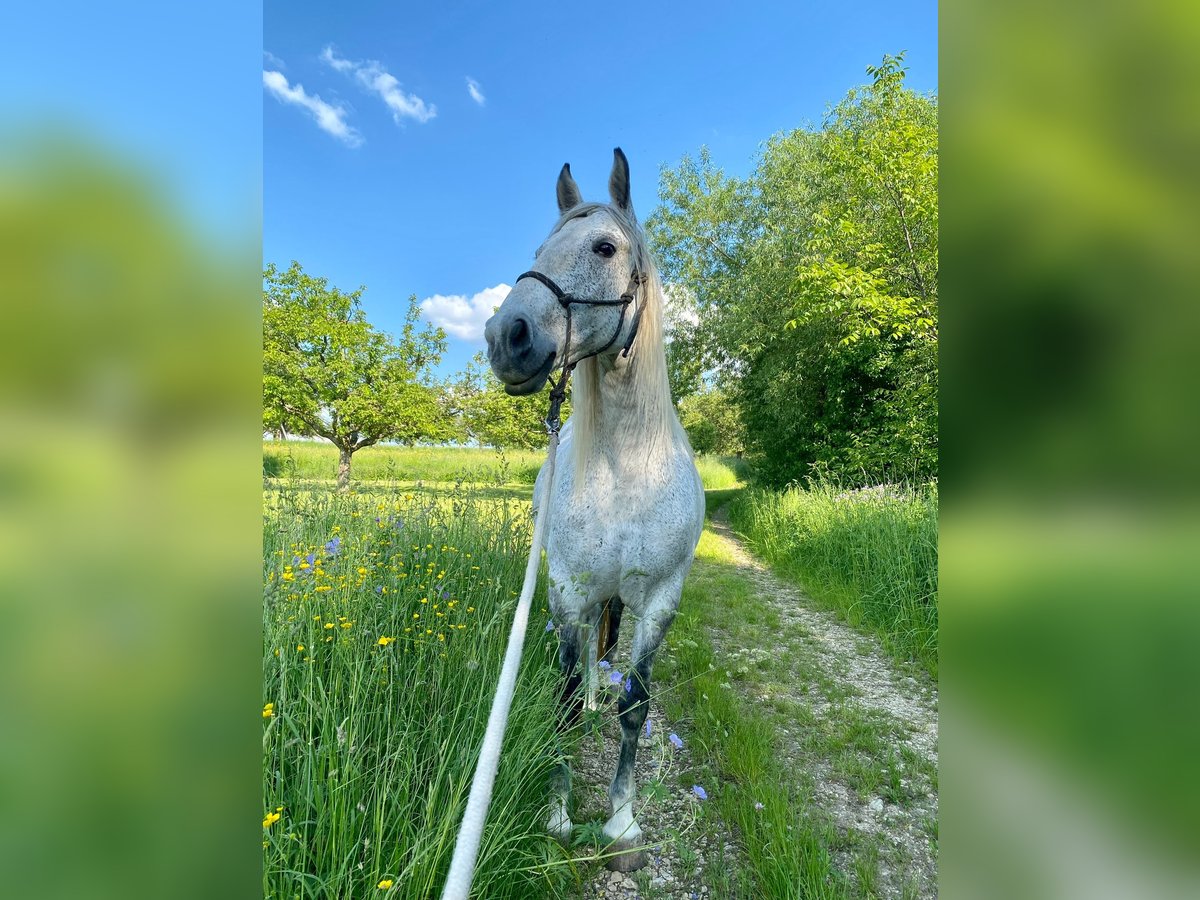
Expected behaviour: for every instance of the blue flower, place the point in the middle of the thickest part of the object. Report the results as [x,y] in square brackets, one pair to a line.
[550,625]
[605,664]
[445,595]
[616,677]
[333,546]
[647,726]
[379,589]
[676,740]
[629,683]
[699,792]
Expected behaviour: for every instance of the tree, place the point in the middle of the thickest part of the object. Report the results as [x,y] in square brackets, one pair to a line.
[327,372]
[711,420]
[491,417]
[815,282]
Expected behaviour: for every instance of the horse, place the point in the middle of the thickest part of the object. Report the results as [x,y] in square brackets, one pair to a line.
[626,504]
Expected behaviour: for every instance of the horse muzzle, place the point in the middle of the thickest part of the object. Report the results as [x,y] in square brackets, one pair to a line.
[517,356]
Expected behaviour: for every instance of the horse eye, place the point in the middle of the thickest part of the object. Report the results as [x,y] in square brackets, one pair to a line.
[605,249]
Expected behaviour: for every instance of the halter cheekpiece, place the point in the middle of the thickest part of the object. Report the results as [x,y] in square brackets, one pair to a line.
[558,391]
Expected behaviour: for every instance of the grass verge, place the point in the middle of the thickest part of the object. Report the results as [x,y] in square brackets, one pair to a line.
[870,554]
[384,623]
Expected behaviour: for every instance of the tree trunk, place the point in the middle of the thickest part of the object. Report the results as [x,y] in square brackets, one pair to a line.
[343,475]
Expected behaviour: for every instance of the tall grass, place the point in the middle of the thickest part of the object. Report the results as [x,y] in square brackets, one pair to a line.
[872,554]
[317,460]
[721,472]
[384,625]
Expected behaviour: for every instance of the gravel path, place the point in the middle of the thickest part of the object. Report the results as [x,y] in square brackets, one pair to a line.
[867,682]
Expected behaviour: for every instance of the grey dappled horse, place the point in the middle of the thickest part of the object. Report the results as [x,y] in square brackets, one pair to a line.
[626,506]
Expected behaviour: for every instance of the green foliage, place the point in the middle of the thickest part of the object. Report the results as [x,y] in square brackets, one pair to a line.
[328,372]
[872,554]
[815,282]
[495,419]
[712,424]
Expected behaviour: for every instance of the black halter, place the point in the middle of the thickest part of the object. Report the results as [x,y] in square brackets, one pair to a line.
[558,391]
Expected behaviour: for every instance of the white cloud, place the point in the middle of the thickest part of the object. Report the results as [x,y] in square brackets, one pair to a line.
[372,76]
[462,316]
[275,62]
[329,118]
[474,90]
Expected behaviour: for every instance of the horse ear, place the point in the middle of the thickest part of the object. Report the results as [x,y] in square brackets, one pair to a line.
[618,181]
[568,192]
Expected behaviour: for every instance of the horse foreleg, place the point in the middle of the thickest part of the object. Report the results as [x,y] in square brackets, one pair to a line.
[559,823]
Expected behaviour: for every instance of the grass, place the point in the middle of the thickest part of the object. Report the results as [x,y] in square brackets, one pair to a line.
[375,610]
[317,460]
[870,554]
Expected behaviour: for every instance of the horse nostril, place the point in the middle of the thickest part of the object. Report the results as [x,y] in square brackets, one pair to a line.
[518,336]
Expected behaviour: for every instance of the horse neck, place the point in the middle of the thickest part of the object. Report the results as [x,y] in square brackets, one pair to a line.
[625,413]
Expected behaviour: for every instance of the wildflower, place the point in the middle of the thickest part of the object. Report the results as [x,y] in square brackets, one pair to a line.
[270,819]
[647,726]
[758,806]
[550,625]
[333,546]
[605,664]
[616,677]
[299,648]
[699,792]
[384,641]
[268,710]
[676,740]
[629,683]
[362,571]
[385,884]
[329,625]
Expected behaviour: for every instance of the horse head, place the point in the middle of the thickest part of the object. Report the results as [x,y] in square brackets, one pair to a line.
[581,297]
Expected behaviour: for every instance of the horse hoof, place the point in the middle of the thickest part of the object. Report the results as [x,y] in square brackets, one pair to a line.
[627,862]
[559,827]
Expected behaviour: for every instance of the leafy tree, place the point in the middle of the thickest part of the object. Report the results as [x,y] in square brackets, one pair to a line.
[327,372]
[491,417]
[711,420]
[815,282]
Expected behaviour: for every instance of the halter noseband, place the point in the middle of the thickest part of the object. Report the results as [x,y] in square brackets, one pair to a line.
[558,391]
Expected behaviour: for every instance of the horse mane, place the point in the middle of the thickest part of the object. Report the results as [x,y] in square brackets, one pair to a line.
[657,431]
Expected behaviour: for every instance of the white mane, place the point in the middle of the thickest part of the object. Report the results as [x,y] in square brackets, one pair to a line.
[656,426]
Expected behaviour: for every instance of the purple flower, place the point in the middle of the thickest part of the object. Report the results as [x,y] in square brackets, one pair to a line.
[699,792]
[445,595]
[629,683]
[647,726]
[333,546]
[616,677]
[550,625]
[758,806]
[379,589]
[676,740]
[605,664]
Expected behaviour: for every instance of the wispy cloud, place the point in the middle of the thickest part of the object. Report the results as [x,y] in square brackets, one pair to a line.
[273,61]
[329,118]
[474,90]
[462,316]
[375,78]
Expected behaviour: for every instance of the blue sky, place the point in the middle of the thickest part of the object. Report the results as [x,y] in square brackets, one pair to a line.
[381,168]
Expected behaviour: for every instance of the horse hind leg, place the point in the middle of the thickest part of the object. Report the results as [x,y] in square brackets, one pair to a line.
[610,628]
[559,823]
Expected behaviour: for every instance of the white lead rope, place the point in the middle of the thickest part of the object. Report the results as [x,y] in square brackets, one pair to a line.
[466,849]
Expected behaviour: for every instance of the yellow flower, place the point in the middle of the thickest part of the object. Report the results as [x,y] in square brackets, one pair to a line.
[299,647]
[347,624]
[329,625]
[384,641]
[268,710]
[362,571]
[288,576]
[270,819]
[385,884]
[441,637]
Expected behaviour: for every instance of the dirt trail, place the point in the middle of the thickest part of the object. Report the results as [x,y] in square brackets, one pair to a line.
[863,683]
[860,735]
